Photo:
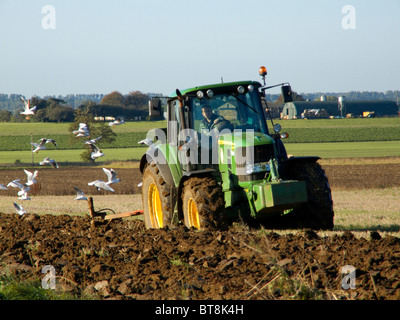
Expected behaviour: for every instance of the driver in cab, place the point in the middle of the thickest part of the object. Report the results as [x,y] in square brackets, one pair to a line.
[210,119]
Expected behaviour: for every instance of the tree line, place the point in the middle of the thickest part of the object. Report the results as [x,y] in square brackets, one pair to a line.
[135,104]
[51,109]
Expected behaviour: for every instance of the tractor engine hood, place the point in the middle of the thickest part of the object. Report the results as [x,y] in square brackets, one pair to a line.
[247,154]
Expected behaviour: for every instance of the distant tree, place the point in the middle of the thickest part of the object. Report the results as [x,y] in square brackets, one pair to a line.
[113,99]
[5,115]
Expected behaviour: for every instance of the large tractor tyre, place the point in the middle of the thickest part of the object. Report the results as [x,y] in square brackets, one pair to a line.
[156,199]
[317,213]
[202,203]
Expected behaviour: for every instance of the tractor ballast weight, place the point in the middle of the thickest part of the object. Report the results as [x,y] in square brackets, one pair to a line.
[209,173]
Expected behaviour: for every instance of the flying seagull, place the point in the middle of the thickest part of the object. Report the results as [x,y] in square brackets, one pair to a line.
[93,141]
[112,176]
[47,160]
[82,131]
[39,146]
[79,194]
[96,152]
[99,184]
[27,108]
[15,184]
[147,141]
[23,193]
[21,211]
[30,177]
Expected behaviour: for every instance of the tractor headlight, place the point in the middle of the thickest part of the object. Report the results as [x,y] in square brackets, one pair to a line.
[257,167]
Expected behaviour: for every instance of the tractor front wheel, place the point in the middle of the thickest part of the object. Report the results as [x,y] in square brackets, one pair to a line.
[203,203]
[156,195]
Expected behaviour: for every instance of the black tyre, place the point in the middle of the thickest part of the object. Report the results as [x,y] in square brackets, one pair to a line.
[203,203]
[318,212]
[156,199]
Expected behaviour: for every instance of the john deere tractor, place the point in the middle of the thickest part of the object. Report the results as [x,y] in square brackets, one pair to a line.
[211,173]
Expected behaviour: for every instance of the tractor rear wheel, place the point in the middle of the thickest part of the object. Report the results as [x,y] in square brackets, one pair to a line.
[156,195]
[317,213]
[203,203]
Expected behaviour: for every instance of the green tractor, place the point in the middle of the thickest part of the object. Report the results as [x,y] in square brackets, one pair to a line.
[211,170]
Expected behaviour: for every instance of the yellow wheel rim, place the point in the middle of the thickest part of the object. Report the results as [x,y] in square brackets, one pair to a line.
[155,209]
[193,214]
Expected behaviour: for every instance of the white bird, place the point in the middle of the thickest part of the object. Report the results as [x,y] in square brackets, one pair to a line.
[15,184]
[38,146]
[96,152]
[47,160]
[31,177]
[146,141]
[140,184]
[116,122]
[23,194]
[93,141]
[21,211]
[46,140]
[79,194]
[112,176]
[3,187]
[82,131]
[41,145]
[23,189]
[99,184]
[27,108]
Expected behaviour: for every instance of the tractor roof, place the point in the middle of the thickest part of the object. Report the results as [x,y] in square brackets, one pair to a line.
[222,86]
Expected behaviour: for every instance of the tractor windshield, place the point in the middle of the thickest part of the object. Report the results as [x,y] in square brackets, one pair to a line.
[243,111]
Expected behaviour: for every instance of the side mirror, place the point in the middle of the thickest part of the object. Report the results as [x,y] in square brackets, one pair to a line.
[287,93]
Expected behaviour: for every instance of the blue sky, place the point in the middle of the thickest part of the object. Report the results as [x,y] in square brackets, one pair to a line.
[158,46]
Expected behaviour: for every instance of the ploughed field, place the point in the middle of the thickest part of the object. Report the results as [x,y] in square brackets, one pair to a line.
[121,260]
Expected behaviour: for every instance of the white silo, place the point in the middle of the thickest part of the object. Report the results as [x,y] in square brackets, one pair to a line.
[341,105]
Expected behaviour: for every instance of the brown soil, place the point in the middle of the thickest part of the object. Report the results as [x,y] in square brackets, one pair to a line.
[122,260]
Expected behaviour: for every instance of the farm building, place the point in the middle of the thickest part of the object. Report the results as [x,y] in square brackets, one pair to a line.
[293,110]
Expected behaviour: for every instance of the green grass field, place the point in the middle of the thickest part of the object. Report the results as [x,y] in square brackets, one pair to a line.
[333,138]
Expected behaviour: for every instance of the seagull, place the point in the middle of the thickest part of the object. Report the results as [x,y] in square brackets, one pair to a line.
[116,122]
[149,142]
[96,152]
[79,194]
[93,141]
[27,109]
[82,131]
[46,140]
[3,187]
[47,160]
[112,176]
[31,177]
[15,184]
[99,184]
[23,194]
[39,146]
[140,184]
[21,211]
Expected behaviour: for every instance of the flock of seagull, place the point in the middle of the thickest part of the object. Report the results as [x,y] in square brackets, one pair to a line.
[82,131]
[31,179]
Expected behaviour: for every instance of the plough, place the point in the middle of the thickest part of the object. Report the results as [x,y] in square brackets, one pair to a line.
[103,212]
